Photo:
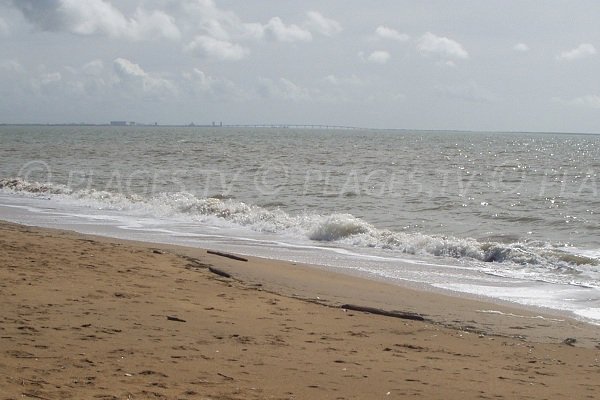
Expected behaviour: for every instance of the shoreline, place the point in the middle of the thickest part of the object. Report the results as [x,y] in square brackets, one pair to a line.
[543,292]
[95,317]
[315,283]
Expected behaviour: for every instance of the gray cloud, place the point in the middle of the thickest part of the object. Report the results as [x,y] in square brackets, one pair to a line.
[91,17]
[42,13]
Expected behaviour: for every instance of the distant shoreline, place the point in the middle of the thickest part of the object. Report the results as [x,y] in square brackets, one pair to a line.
[291,126]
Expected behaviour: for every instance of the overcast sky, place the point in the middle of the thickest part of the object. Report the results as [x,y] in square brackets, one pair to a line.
[474,65]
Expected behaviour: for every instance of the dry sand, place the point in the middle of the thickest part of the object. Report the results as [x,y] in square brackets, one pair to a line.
[95,318]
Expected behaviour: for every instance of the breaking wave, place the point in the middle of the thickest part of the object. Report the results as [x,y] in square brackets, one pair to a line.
[338,228]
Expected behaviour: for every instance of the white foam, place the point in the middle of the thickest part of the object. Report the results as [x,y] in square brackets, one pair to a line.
[591,314]
[519,316]
[517,260]
[455,274]
[538,294]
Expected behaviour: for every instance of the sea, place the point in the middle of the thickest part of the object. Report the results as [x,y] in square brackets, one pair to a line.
[504,216]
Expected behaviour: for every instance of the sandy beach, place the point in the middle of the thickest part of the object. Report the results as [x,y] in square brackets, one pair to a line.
[96,318]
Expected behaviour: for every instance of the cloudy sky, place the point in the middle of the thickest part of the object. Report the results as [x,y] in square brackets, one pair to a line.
[476,65]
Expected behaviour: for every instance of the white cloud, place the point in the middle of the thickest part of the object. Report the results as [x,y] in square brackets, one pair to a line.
[153,24]
[200,80]
[286,33]
[378,57]
[589,101]
[204,16]
[441,46]
[582,51]
[201,83]
[90,79]
[283,89]
[17,81]
[209,47]
[97,17]
[521,47]
[209,31]
[87,17]
[388,33]
[125,68]
[321,24]
[133,76]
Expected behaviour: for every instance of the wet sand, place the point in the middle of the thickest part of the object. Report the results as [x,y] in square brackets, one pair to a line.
[95,318]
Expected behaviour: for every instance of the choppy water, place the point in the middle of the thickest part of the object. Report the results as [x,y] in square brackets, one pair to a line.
[522,208]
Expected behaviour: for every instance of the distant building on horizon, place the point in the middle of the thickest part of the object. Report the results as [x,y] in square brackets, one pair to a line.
[122,123]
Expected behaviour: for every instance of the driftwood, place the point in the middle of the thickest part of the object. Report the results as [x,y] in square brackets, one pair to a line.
[227,255]
[219,272]
[34,396]
[379,311]
[171,318]
[225,376]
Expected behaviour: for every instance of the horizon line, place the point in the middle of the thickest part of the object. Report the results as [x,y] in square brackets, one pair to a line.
[285,126]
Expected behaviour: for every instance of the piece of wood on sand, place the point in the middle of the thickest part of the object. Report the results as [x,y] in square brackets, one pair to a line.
[219,272]
[379,311]
[227,255]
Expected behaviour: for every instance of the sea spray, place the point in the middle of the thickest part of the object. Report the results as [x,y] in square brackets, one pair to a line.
[334,228]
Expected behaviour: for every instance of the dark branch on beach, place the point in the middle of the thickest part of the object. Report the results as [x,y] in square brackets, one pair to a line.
[219,272]
[379,311]
[227,255]
[229,378]
[172,318]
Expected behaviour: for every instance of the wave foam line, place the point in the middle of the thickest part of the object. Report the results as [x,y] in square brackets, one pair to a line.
[518,315]
[340,228]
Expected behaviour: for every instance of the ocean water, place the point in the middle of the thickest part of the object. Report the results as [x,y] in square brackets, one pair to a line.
[510,216]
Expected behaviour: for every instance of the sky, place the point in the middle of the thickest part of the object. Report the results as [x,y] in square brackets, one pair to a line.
[494,65]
